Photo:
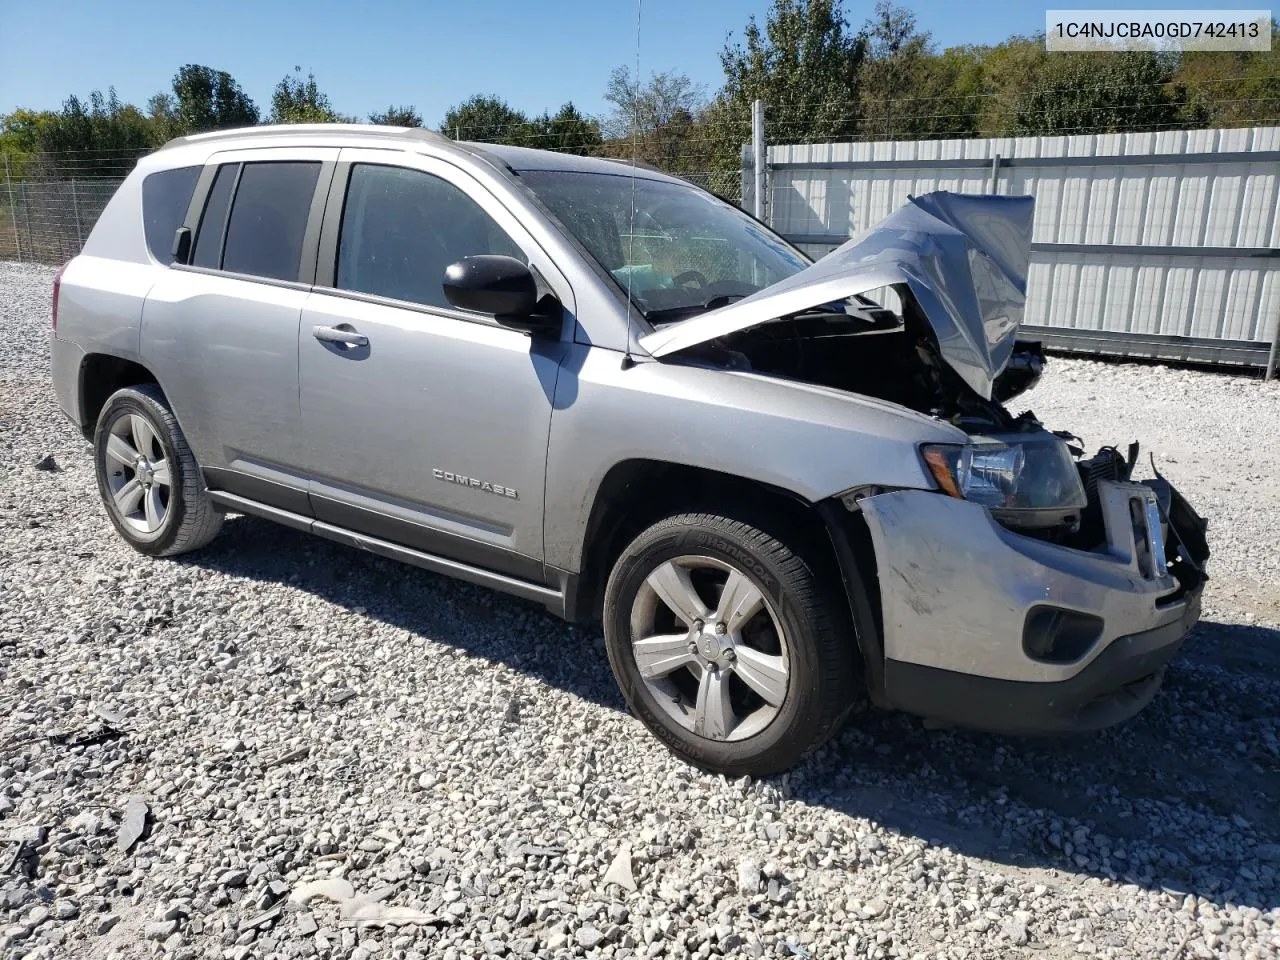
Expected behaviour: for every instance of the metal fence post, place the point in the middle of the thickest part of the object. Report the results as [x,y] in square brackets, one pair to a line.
[1274,355]
[13,213]
[995,174]
[24,194]
[75,207]
[758,158]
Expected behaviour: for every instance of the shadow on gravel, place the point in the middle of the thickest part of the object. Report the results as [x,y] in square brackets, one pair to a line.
[482,622]
[1176,799]
[1179,798]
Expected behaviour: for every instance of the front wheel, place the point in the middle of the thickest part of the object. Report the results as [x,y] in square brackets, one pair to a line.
[730,644]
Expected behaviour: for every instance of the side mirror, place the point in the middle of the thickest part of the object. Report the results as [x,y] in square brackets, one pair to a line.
[502,286]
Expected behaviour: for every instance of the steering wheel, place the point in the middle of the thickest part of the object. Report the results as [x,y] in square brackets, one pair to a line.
[684,278]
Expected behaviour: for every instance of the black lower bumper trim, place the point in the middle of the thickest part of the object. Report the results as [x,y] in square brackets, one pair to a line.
[1115,685]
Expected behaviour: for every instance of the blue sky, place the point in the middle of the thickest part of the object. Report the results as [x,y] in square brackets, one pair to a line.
[367,54]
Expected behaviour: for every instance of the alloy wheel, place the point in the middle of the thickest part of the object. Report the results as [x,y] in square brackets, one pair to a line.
[137,473]
[710,647]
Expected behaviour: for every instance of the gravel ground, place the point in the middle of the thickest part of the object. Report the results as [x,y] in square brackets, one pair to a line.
[283,748]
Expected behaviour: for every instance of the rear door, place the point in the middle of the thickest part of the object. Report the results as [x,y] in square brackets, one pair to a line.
[221,334]
[429,428]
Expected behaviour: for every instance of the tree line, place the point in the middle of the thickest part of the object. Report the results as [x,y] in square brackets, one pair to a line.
[101,136]
[822,77]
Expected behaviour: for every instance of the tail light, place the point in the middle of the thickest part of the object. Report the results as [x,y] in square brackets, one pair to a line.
[57,288]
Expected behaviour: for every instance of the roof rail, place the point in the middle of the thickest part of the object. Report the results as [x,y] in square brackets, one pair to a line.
[275,130]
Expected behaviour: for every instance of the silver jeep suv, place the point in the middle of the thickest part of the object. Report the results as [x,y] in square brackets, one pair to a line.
[782,485]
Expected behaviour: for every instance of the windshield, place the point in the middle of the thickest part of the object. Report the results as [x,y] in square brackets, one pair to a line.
[688,251]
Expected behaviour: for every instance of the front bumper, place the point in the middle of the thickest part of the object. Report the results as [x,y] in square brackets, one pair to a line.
[1118,683]
[959,595]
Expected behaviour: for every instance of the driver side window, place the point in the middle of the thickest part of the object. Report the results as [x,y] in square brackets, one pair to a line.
[401,228]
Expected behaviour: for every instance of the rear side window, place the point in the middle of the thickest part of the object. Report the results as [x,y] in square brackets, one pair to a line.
[401,228]
[165,197]
[262,233]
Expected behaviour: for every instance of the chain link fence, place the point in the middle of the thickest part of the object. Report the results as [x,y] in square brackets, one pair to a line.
[47,221]
[724,184]
[50,201]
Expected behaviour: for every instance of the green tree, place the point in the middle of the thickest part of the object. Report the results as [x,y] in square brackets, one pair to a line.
[1240,88]
[954,84]
[20,137]
[298,100]
[805,63]
[209,99]
[487,119]
[1009,70]
[645,107]
[567,131]
[654,119]
[162,113]
[896,51]
[98,138]
[908,90]
[1102,93]
[405,116]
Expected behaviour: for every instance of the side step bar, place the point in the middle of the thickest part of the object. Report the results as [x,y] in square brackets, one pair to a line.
[552,598]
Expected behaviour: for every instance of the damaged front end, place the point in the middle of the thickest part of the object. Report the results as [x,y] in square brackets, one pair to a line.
[1039,484]
[1170,537]
[989,628]
[954,267]
[1033,589]
[956,263]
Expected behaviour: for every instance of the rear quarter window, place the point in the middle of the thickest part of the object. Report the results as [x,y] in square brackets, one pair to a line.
[165,197]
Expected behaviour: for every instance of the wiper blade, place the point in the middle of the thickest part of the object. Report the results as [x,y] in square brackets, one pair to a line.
[672,314]
[723,300]
[836,308]
[659,318]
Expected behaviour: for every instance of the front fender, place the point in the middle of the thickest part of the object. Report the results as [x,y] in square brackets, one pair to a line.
[812,442]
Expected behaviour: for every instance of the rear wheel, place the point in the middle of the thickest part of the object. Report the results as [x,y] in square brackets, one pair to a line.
[729,644]
[147,476]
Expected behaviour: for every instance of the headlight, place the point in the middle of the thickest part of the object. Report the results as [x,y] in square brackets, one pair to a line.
[1008,472]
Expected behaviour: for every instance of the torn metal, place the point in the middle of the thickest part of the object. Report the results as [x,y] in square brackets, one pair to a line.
[963,259]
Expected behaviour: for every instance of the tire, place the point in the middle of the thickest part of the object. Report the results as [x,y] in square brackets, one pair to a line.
[154,517]
[767,690]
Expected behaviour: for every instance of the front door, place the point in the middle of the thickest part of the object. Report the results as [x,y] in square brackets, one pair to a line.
[423,424]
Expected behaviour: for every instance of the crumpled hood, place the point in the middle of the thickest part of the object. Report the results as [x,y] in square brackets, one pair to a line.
[963,257]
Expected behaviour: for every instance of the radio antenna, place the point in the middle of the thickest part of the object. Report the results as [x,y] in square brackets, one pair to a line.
[627,360]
